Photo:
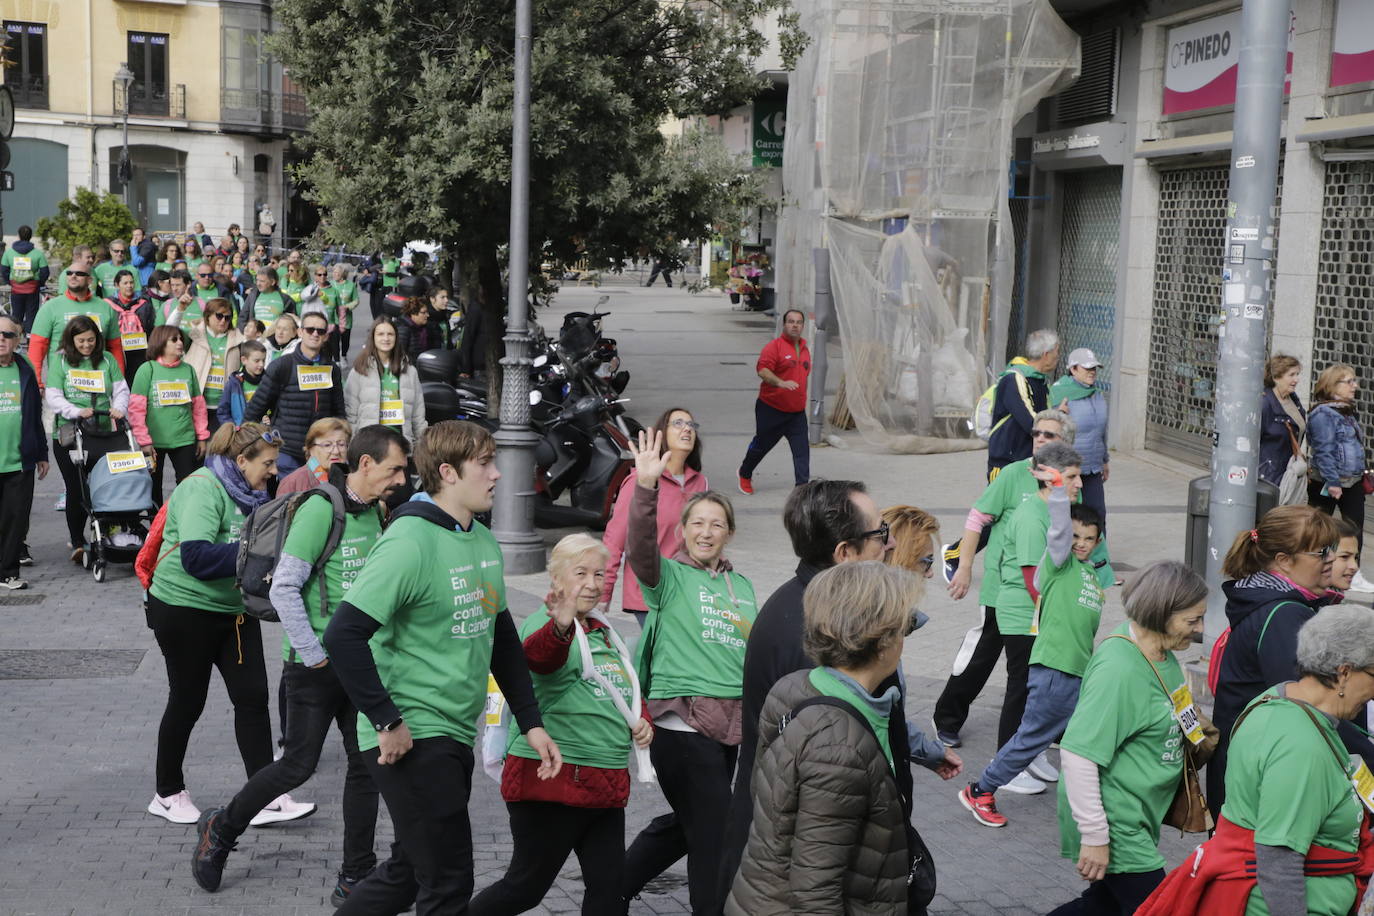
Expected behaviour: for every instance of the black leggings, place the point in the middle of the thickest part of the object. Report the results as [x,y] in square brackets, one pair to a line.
[184,461]
[1351,505]
[545,833]
[76,510]
[1115,895]
[695,773]
[193,642]
[952,708]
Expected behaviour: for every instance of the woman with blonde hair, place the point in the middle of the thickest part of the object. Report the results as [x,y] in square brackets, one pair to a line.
[1336,476]
[917,536]
[326,444]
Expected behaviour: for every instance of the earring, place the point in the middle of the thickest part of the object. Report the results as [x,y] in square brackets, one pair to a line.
[1342,693]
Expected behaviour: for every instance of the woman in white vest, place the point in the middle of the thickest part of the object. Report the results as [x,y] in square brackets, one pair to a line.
[384,387]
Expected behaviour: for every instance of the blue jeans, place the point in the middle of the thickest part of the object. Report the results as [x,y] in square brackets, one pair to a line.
[1049,704]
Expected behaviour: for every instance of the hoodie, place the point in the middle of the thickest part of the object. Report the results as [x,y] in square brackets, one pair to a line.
[38,270]
[1011,440]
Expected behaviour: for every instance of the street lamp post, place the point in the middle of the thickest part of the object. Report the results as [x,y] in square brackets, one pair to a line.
[513,512]
[125,77]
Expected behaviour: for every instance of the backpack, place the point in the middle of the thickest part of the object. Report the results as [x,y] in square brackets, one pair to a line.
[981,421]
[260,546]
[148,555]
[130,325]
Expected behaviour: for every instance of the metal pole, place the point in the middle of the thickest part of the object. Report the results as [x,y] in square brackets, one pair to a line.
[825,320]
[125,167]
[513,512]
[1247,278]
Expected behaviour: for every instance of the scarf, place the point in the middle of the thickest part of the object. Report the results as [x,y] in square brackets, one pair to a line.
[1022,365]
[1072,389]
[231,478]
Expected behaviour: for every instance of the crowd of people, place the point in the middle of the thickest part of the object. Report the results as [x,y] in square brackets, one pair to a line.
[777,730]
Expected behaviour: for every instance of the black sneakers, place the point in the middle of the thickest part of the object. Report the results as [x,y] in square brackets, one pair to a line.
[207,862]
[344,887]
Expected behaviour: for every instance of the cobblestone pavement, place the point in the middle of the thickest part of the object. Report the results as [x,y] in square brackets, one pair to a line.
[82,684]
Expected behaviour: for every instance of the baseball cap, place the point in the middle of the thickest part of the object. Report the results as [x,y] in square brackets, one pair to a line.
[1084,358]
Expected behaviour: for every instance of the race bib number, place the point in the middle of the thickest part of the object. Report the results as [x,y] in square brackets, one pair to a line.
[215,379]
[23,263]
[1363,781]
[134,341]
[393,413]
[125,462]
[494,703]
[1035,621]
[313,378]
[1186,714]
[91,381]
[170,394]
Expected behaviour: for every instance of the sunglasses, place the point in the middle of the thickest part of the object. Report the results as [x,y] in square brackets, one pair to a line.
[217,315]
[313,330]
[204,276]
[9,335]
[1324,553]
[1043,434]
[882,532]
[927,562]
[273,437]
[77,273]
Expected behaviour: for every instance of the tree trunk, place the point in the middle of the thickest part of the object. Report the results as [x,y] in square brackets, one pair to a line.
[491,299]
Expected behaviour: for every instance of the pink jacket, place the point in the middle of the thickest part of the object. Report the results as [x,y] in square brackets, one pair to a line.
[672,496]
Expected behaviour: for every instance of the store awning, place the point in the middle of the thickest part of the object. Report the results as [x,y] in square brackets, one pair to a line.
[1184,146]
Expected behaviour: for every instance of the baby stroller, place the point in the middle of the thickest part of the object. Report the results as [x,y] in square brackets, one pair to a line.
[116,492]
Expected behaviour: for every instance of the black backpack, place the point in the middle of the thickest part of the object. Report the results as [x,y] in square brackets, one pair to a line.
[260,546]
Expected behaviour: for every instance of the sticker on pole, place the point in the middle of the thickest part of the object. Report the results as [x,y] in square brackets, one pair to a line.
[1245,162]
[1235,293]
[1237,254]
[1237,475]
[1254,311]
[1243,234]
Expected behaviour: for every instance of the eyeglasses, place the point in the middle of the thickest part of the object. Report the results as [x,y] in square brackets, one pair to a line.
[882,532]
[332,446]
[1325,553]
[313,330]
[1346,381]
[1043,434]
[927,562]
[680,423]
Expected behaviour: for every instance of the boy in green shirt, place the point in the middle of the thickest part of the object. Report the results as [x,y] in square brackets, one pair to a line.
[314,697]
[1067,610]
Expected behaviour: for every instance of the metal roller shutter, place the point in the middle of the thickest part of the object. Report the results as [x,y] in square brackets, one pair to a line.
[1087,264]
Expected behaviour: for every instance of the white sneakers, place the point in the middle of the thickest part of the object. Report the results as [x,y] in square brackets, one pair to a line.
[1360,583]
[1042,769]
[281,809]
[1025,784]
[176,808]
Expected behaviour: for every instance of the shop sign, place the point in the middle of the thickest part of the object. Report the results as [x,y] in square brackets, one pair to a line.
[770,123]
[1352,50]
[1201,62]
[1081,147]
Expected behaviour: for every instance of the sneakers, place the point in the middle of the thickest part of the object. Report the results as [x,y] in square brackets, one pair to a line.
[1025,784]
[1360,584]
[746,486]
[281,809]
[950,565]
[344,887]
[982,805]
[948,739]
[61,504]
[207,861]
[13,582]
[25,558]
[78,555]
[1042,769]
[176,808]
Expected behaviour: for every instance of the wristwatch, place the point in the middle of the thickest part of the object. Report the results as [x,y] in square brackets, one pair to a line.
[391,726]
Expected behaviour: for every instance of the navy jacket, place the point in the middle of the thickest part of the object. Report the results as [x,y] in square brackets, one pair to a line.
[1012,440]
[1276,450]
[33,444]
[292,409]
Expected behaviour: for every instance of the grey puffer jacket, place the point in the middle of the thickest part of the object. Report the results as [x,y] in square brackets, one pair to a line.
[828,834]
[363,401]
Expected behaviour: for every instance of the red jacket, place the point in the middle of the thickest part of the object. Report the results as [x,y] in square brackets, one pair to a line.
[672,496]
[789,362]
[1217,879]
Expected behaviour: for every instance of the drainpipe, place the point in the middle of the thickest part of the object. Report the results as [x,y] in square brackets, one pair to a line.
[90,95]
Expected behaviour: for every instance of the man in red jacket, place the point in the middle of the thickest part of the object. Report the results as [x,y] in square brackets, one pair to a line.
[781,408]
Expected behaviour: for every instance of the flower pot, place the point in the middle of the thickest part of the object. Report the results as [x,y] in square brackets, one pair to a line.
[734,298]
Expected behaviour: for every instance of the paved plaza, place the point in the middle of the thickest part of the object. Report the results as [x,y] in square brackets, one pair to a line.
[82,684]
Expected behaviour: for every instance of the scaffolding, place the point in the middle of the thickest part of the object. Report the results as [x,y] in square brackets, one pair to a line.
[899,119]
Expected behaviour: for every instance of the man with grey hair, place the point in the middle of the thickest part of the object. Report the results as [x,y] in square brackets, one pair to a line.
[23,450]
[1022,391]
[982,645]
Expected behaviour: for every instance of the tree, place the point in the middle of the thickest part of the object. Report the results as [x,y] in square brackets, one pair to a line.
[87,218]
[410,131]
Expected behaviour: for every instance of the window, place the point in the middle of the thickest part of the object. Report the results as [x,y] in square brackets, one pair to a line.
[148,60]
[26,57]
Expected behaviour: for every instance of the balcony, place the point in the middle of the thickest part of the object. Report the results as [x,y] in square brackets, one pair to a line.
[155,101]
[262,111]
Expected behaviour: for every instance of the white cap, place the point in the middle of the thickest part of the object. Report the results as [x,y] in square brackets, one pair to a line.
[1084,358]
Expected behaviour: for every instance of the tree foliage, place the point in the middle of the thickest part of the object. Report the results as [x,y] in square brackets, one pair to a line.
[411,105]
[87,218]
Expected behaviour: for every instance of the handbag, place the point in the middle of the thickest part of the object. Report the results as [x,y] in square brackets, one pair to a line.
[66,435]
[1293,485]
[1188,811]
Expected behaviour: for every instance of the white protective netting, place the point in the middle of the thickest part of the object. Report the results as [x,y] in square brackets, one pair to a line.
[903,110]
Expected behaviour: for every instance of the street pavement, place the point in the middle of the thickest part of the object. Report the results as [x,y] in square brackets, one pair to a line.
[83,685]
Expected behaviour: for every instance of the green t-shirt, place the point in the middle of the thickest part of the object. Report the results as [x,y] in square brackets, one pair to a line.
[695,635]
[826,682]
[192,264]
[391,268]
[391,392]
[24,267]
[436,592]
[170,391]
[105,274]
[1124,723]
[54,314]
[199,509]
[341,297]
[268,307]
[204,295]
[1023,544]
[292,288]
[1070,611]
[83,385]
[165,266]
[214,379]
[1284,783]
[1011,487]
[578,713]
[305,540]
[11,418]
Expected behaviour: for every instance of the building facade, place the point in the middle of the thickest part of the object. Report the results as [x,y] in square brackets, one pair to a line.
[210,115]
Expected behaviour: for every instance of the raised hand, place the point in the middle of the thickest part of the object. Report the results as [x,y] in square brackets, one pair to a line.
[562,607]
[651,460]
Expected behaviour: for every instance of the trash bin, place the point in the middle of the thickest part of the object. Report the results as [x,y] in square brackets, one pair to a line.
[1199,507]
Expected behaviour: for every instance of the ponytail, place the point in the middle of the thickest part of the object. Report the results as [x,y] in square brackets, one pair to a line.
[1289,530]
[248,440]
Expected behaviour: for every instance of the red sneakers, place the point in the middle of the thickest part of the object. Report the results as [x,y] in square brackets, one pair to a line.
[746,486]
[982,805]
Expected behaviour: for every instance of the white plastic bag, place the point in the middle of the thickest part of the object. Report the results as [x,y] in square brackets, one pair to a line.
[495,731]
[1293,486]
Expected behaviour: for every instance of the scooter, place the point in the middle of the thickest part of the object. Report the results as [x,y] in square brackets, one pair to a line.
[582,452]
